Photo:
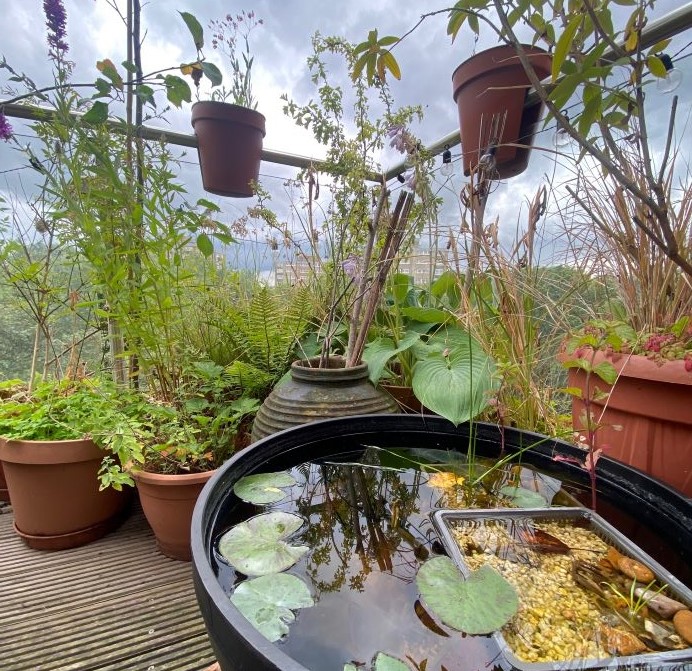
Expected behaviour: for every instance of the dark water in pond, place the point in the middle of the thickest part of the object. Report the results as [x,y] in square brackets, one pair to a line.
[369,531]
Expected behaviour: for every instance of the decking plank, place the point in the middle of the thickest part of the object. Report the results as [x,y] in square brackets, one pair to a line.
[114,605]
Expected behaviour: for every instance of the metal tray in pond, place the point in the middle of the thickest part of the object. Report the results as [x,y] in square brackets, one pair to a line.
[513,541]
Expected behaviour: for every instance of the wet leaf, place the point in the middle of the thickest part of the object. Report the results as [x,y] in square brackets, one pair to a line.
[427,620]
[263,487]
[524,498]
[481,604]
[541,541]
[386,663]
[267,602]
[256,547]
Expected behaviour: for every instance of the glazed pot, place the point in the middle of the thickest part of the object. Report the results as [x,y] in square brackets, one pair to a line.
[490,89]
[229,145]
[652,515]
[645,418]
[55,494]
[167,502]
[314,393]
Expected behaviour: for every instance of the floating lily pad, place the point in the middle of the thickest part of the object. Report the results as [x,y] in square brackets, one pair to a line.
[267,602]
[481,604]
[383,663]
[386,663]
[263,488]
[256,547]
[524,498]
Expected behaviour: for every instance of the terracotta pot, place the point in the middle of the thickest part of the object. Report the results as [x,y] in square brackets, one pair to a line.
[168,502]
[406,399]
[314,393]
[229,145]
[653,405]
[4,493]
[487,86]
[55,492]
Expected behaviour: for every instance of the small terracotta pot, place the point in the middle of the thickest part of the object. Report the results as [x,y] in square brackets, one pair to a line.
[55,494]
[168,502]
[229,145]
[315,393]
[653,406]
[489,85]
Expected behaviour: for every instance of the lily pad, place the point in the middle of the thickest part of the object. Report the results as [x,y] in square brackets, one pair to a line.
[267,602]
[386,663]
[256,546]
[263,487]
[481,604]
[524,498]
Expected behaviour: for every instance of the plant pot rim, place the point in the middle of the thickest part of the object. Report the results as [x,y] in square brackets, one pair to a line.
[15,450]
[642,367]
[485,62]
[171,479]
[228,112]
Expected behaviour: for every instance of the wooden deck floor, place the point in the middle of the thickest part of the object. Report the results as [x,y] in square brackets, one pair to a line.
[114,605]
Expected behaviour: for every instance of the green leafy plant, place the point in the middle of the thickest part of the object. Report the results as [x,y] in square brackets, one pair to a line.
[226,35]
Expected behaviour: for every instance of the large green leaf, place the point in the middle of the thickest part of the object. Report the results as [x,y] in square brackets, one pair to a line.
[256,546]
[379,352]
[263,488]
[455,383]
[267,602]
[481,604]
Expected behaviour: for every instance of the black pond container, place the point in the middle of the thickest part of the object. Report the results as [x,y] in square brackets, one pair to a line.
[639,506]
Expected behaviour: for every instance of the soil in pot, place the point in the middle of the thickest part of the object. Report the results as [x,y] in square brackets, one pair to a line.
[368,534]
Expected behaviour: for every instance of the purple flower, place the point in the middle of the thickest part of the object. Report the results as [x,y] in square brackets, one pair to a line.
[350,266]
[55,22]
[5,128]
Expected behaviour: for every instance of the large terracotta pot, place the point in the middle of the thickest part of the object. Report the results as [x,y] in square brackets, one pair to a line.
[314,393]
[653,405]
[55,493]
[486,87]
[168,502]
[4,493]
[229,145]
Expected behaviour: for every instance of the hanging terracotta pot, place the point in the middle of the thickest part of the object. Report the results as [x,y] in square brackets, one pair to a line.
[645,419]
[314,393]
[55,493]
[229,146]
[490,91]
[168,502]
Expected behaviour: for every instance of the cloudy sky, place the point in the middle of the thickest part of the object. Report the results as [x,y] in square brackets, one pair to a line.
[281,47]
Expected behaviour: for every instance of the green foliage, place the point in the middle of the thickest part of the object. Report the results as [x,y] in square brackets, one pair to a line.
[267,602]
[261,488]
[481,604]
[257,546]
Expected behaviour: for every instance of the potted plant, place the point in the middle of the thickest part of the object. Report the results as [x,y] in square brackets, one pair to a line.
[490,91]
[53,443]
[176,446]
[420,355]
[228,127]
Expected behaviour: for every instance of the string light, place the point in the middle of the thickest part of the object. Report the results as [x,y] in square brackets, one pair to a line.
[673,77]
[447,168]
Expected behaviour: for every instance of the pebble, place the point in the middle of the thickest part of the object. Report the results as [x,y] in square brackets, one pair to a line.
[683,624]
[636,570]
[619,642]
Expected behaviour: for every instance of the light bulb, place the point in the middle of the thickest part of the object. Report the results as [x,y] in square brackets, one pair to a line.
[673,77]
[670,82]
[561,138]
[447,168]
